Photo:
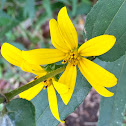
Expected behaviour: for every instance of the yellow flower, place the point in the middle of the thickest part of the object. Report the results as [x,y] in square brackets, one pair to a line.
[65,40]
[14,56]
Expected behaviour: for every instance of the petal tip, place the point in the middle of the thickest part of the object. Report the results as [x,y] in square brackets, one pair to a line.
[63,10]
[51,21]
[110,94]
[62,121]
[4,46]
[114,81]
[65,101]
[5,43]
[112,37]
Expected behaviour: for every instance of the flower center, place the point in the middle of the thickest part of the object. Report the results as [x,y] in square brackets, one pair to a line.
[72,57]
[47,82]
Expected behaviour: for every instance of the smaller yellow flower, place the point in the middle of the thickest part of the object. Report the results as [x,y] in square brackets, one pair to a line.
[64,39]
[14,56]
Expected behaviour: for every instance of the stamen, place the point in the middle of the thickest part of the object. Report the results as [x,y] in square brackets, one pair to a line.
[64,61]
[47,83]
[45,80]
[45,87]
[72,57]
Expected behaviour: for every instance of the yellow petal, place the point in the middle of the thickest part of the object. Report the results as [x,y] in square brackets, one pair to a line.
[69,79]
[11,54]
[61,88]
[43,56]
[14,56]
[35,69]
[32,92]
[97,46]
[96,75]
[57,38]
[53,102]
[103,91]
[67,29]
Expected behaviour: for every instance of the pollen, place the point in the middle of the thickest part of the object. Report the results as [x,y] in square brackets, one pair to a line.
[47,83]
[72,57]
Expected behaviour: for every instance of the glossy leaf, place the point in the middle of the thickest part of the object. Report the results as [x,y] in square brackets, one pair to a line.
[21,112]
[108,17]
[112,109]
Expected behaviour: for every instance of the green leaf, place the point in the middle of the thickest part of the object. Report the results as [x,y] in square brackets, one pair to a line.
[108,17]
[112,109]
[29,8]
[21,112]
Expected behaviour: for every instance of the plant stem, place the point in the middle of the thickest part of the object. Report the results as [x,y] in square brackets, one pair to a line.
[15,92]
[2,98]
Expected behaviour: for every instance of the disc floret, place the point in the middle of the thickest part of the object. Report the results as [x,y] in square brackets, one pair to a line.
[47,83]
[72,57]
